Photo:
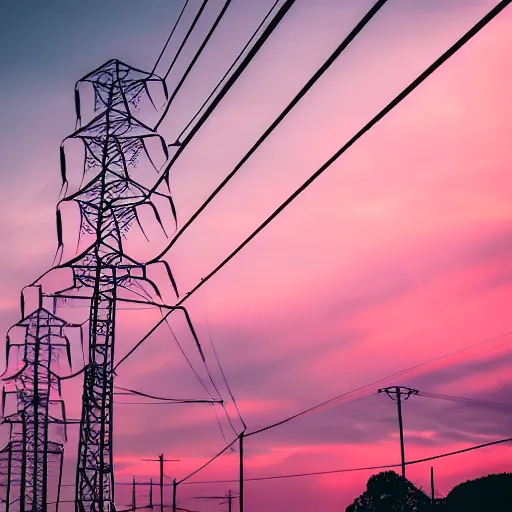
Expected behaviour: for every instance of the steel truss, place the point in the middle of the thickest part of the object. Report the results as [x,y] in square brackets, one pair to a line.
[116,144]
[31,406]
[109,198]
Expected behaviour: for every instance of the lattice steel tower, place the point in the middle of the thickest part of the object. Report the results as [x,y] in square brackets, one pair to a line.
[32,408]
[114,141]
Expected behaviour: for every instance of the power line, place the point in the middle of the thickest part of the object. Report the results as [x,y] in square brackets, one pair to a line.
[202,383]
[175,402]
[305,89]
[183,480]
[185,39]
[165,399]
[283,10]
[373,384]
[311,409]
[170,37]
[453,398]
[350,470]
[224,377]
[239,56]
[192,62]
[388,108]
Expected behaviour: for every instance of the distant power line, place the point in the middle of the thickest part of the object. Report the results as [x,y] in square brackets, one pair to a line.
[349,470]
[464,399]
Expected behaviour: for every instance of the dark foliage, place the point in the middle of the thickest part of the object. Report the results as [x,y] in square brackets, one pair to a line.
[491,493]
[389,492]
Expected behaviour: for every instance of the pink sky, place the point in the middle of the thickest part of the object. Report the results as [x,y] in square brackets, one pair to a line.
[398,254]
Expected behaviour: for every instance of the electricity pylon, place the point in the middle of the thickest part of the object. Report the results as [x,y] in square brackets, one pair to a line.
[108,198]
[116,145]
[32,408]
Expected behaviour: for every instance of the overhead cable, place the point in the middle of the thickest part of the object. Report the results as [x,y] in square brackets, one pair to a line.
[304,90]
[388,108]
[192,63]
[373,384]
[283,10]
[185,39]
[477,401]
[226,74]
[351,470]
[170,37]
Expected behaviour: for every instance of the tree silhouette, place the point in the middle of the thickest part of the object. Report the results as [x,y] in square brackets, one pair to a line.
[389,492]
[492,493]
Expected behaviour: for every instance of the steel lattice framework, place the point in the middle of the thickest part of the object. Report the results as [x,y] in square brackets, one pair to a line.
[36,419]
[114,141]
[116,146]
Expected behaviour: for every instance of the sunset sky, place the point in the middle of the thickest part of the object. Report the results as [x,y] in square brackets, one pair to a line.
[399,254]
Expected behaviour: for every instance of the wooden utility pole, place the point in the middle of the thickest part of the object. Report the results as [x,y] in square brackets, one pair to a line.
[134,496]
[241,478]
[432,490]
[229,497]
[397,394]
[174,493]
[230,500]
[161,461]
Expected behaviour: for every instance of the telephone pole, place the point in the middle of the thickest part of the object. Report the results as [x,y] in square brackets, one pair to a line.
[174,497]
[241,469]
[134,496]
[432,489]
[228,497]
[399,394]
[161,461]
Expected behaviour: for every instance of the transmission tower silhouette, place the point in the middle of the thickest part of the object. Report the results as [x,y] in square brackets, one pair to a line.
[116,145]
[114,141]
[33,409]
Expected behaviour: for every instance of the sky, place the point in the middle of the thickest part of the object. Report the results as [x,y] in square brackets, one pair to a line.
[399,254]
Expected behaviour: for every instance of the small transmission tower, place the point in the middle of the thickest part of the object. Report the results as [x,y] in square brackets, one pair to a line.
[36,415]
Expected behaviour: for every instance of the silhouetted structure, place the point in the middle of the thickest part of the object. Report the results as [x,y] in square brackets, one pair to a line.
[32,407]
[399,394]
[109,198]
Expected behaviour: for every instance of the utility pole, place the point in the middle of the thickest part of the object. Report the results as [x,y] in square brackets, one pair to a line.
[399,394]
[230,500]
[228,497]
[134,496]
[151,493]
[432,490]
[241,477]
[161,461]
[174,492]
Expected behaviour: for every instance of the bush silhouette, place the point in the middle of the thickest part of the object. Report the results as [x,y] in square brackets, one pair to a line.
[491,493]
[389,492]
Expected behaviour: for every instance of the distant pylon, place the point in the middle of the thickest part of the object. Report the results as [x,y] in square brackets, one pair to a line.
[32,407]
